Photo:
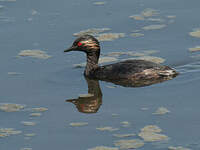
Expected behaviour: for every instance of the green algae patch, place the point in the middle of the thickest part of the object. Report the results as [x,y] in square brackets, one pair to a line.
[125,124]
[194,49]
[92,31]
[177,148]
[28,123]
[137,17]
[110,129]
[154,59]
[161,111]
[154,27]
[136,34]
[101,61]
[155,19]
[107,60]
[195,33]
[6,107]
[35,114]
[131,53]
[29,134]
[114,115]
[34,12]
[4,132]
[8,0]
[171,17]
[149,12]
[151,128]
[110,36]
[124,135]
[103,148]
[26,149]
[144,108]
[151,133]
[129,144]
[39,109]
[35,54]
[114,56]
[78,124]
[99,3]
[15,73]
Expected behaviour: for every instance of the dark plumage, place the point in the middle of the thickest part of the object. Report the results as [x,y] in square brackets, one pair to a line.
[126,73]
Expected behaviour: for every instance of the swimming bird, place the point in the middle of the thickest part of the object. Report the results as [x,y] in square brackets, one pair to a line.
[126,73]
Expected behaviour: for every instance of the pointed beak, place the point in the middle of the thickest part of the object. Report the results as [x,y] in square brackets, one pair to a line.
[72,48]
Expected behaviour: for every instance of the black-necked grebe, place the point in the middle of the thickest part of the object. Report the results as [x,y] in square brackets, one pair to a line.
[129,72]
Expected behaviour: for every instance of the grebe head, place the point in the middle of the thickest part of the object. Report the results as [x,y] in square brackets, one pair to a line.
[85,43]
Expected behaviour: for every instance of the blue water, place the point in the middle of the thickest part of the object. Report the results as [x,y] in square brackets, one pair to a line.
[48,83]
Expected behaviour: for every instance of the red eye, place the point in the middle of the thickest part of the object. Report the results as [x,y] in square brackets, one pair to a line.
[79,44]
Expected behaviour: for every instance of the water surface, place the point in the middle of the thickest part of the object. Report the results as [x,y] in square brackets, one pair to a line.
[49,26]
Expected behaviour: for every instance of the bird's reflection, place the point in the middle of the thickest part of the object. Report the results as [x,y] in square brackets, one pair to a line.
[91,102]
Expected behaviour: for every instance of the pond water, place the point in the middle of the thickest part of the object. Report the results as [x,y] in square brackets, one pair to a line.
[35,86]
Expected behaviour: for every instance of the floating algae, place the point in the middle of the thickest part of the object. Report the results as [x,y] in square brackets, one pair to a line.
[149,12]
[101,61]
[195,49]
[39,109]
[154,27]
[11,107]
[8,0]
[155,19]
[103,148]
[99,3]
[195,33]
[106,59]
[4,132]
[177,148]
[136,34]
[137,17]
[144,108]
[78,124]
[150,133]
[154,59]
[130,53]
[35,54]
[161,111]
[29,134]
[129,144]
[34,12]
[116,54]
[28,123]
[26,148]
[107,129]
[92,31]
[171,17]
[124,135]
[35,114]
[125,124]
[151,128]
[110,36]
[14,73]
[114,115]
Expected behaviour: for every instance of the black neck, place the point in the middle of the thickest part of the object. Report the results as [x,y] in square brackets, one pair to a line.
[92,62]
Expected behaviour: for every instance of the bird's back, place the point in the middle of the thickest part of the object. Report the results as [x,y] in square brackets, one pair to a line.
[125,69]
